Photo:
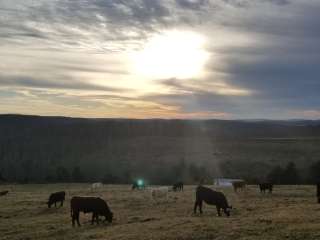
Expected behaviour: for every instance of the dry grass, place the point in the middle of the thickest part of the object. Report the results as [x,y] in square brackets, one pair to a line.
[290,213]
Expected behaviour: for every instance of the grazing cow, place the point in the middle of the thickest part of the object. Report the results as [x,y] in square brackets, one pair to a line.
[96,185]
[95,205]
[212,198]
[159,192]
[239,184]
[178,186]
[265,186]
[56,197]
[3,193]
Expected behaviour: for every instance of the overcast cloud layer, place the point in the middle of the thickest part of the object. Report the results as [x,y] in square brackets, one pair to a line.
[65,57]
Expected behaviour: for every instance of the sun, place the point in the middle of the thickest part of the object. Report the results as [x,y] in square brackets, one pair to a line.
[172,54]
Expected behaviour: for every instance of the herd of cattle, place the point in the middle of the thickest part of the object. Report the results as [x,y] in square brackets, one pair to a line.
[98,207]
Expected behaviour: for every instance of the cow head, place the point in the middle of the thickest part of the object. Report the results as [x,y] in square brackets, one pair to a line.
[109,217]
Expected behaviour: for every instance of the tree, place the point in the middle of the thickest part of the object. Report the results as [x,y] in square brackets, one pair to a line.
[315,172]
[275,176]
[197,174]
[77,175]
[109,179]
[62,174]
[2,179]
[291,175]
[288,175]
[178,170]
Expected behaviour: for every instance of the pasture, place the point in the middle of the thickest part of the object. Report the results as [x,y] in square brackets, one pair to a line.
[291,212]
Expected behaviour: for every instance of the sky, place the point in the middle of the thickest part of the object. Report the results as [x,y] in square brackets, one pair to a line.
[188,59]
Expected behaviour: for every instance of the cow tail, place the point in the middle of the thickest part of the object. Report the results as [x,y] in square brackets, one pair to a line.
[71,212]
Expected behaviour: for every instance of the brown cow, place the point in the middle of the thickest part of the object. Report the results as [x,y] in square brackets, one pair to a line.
[239,184]
[212,198]
[265,186]
[56,197]
[95,205]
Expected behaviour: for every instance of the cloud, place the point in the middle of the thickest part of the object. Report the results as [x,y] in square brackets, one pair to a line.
[26,81]
[264,56]
[305,114]
[192,4]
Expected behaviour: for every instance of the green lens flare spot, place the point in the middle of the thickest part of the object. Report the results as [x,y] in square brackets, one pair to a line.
[140,182]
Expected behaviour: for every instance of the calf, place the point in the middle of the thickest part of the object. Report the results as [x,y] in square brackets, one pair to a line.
[178,186]
[212,198]
[238,185]
[95,205]
[3,193]
[56,197]
[265,186]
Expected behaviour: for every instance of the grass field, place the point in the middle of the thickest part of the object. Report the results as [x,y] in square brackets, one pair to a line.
[290,213]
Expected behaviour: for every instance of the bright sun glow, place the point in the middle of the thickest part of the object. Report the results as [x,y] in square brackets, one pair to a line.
[172,54]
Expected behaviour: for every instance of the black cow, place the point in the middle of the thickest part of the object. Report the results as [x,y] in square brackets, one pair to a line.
[212,198]
[265,186]
[56,197]
[96,205]
[178,186]
[3,193]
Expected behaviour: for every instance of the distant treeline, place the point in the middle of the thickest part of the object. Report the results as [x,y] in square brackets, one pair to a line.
[58,149]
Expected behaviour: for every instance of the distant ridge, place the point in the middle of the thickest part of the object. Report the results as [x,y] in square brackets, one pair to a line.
[41,148]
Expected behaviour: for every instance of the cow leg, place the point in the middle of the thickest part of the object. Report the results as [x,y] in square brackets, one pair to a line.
[61,204]
[73,219]
[77,217]
[55,204]
[218,210]
[93,217]
[97,218]
[195,207]
[200,207]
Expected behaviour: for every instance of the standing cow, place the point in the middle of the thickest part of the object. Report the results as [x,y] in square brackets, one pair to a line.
[265,186]
[212,198]
[178,186]
[239,184]
[95,205]
[56,197]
